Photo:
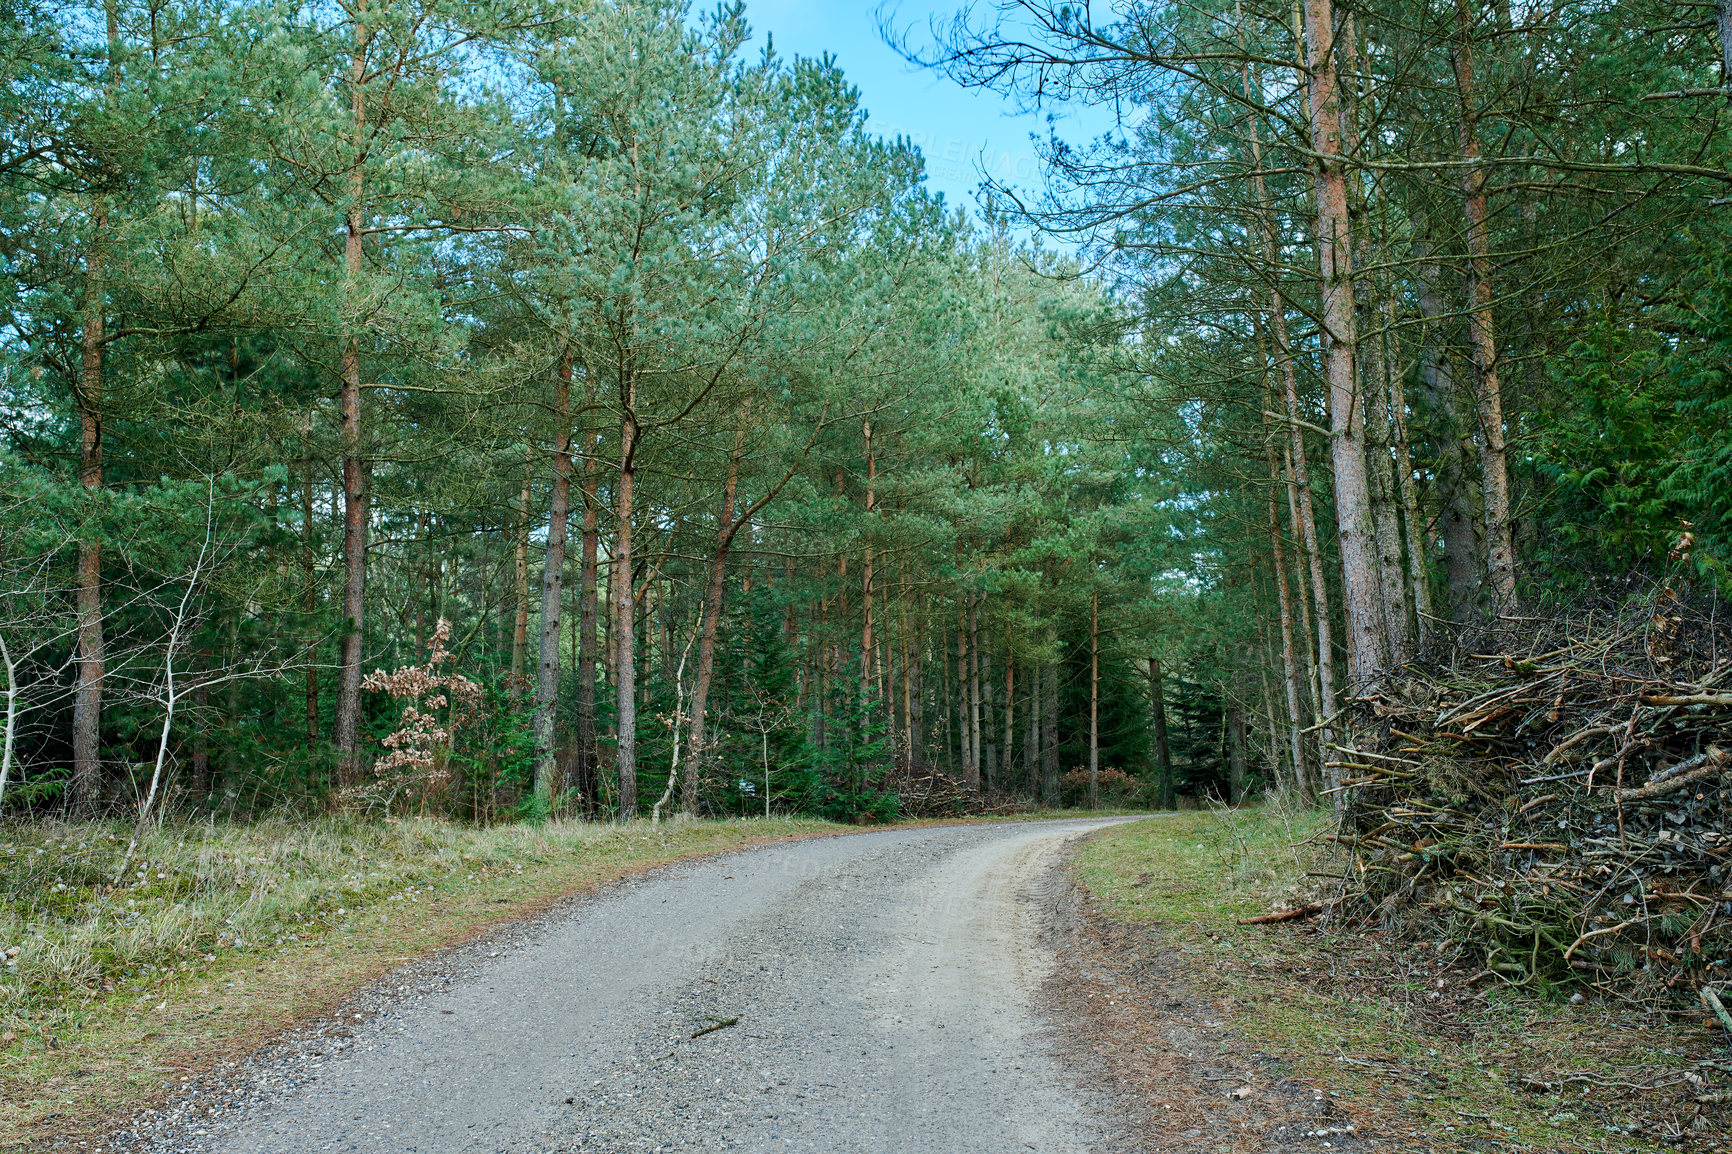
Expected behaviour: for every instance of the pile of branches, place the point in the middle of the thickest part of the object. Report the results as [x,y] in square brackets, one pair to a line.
[930,793]
[1559,807]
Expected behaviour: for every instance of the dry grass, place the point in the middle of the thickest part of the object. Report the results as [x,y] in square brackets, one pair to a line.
[1419,1046]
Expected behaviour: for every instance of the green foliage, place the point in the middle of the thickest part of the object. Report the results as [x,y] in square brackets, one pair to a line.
[1635,445]
[726,274]
[1701,374]
[1609,446]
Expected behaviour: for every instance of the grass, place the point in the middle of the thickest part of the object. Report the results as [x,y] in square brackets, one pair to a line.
[1470,1065]
[220,936]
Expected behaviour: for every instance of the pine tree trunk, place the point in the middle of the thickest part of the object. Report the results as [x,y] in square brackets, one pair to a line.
[350,761]
[1235,753]
[1418,571]
[201,729]
[819,701]
[1163,751]
[1500,560]
[886,658]
[906,656]
[1299,500]
[1723,14]
[1366,643]
[1031,746]
[233,725]
[942,698]
[309,582]
[552,588]
[1006,754]
[697,754]
[1303,572]
[867,651]
[988,731]
[1363,611]
[1049,795]
[916,642]
[1394,634]
[1275,775]
[973,692]
[588,739]
[1458,521]
[620,584]
[1385,498]
[92,647]
[520,586]
[609,650]
[962,746]
[1412,524]
[1289,661]
[1094,699]
[643,586]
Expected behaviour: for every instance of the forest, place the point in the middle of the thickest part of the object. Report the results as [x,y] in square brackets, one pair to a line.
[524,409]
[455,456]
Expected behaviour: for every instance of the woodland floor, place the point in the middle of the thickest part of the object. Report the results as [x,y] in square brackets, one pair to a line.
[1222,1037]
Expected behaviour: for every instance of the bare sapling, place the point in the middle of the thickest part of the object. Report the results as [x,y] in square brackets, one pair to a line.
[768,714]
[30,625]
[675,724]
[181,623]
[11,738]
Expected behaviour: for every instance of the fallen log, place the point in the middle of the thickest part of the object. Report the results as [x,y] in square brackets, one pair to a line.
[1292,915]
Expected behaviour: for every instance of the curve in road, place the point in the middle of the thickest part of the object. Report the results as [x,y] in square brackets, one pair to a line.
[876,989]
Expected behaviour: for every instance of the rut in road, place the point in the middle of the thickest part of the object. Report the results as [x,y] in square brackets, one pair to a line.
[881,984]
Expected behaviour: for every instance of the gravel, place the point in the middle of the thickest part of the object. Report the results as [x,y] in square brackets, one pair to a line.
[861,993]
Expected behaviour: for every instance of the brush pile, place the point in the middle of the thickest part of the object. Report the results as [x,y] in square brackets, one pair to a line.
[928,792]
[1562,806]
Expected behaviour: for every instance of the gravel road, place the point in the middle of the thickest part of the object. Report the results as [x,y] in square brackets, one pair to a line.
[878,986]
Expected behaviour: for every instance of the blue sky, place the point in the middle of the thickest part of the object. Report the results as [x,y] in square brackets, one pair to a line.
[959,130]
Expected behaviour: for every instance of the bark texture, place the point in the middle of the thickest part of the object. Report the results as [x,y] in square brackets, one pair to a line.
[697,757]
[1163,751]
[1500,559]
[1367,644]
[552,588]
[92,647]
[1235,753]
[1094,699]
[588,759]
[620,586]
[1458,522]
[1049,740]
[347,724]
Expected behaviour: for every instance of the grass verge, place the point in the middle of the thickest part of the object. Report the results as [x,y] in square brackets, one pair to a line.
[1420,1049]
[220,937]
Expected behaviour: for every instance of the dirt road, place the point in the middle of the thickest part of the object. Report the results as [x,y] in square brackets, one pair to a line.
[870,993]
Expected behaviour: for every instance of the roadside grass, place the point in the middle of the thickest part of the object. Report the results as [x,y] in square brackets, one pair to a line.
[1439,1058]
[221,936]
